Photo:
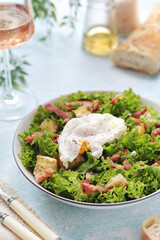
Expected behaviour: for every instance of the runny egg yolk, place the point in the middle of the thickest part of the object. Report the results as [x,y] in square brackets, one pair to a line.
[84,147]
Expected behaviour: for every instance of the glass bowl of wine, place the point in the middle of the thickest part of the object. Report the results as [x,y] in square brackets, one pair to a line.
[16,28]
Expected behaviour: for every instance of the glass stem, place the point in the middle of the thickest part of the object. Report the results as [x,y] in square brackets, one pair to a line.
[8,81]
[9,96]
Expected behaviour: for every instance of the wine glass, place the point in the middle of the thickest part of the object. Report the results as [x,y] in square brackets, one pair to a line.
[16,27]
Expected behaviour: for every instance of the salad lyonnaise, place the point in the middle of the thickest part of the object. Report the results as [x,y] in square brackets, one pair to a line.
[95,169]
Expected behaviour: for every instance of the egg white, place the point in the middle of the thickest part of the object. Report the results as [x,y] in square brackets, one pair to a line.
[95,129]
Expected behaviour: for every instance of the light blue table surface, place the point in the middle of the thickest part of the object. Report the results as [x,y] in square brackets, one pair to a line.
[60,66]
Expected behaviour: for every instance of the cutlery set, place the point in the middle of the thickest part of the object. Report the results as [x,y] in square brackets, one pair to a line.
[28,217]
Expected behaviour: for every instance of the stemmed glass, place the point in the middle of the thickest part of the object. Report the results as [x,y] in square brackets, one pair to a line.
[16,27]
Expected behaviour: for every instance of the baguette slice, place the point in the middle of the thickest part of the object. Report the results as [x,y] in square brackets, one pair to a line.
[151,228]
[141,50]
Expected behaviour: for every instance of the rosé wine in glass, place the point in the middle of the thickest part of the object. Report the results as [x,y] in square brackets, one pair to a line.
[16,28]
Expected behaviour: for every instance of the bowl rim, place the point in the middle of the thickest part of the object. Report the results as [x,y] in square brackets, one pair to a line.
[25,171]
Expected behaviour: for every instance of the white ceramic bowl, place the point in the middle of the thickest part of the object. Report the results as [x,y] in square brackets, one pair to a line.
[24,126]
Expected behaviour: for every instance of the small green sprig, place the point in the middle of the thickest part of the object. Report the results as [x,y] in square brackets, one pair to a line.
[18,73]
[44,9]
[69,20]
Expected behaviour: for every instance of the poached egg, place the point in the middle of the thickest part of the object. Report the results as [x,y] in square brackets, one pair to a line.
[89,133]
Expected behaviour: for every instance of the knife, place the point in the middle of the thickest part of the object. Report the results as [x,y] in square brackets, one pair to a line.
[29,217]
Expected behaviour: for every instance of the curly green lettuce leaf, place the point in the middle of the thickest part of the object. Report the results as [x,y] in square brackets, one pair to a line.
[66,184]
[28,155]
[45,144]
[145,150]
[41,145]
[129,102]
[151,119]
[142,180]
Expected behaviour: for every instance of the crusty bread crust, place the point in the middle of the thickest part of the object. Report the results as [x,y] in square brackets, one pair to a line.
[151,228]
[141,50]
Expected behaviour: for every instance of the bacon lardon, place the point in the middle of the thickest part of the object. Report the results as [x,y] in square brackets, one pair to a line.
[115,157]
[115,181]
[155,132]
[115,99]
[57,111]
[46,174]
[55,138]
[137,121]
[126,164]
[30,138]
[139,113]
[113,165]
[93,105]
[90,188]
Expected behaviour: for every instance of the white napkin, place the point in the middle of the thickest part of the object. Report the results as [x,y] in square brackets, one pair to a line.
[6,234]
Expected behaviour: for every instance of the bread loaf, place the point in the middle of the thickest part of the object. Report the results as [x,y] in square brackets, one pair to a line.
[141,49]
[151,228]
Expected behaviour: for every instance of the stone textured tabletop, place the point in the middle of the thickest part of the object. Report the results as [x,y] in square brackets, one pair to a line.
[60,66]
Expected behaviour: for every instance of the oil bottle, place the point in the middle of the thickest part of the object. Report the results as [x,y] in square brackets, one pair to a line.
[100,28]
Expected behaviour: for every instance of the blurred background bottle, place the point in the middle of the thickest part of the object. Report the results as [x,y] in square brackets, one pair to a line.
[127,16]
[100,27]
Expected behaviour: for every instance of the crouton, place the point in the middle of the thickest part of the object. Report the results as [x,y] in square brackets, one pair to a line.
[116,181]
[81,111]
[44,168]
[50,124]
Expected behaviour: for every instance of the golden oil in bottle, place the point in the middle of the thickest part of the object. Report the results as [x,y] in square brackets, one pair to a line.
[100,40]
